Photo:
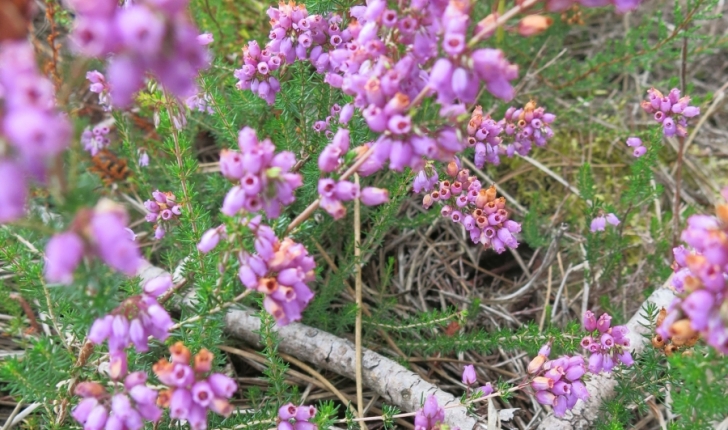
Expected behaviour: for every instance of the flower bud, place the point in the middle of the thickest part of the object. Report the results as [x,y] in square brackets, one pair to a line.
[469,375]
[533,24]
[545,398]
[589,321]
[603,323]
[540,383]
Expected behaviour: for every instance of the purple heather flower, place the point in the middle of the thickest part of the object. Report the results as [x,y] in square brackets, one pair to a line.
[371,196]
[469,375]
[486,389]
[634,142]
[209,240]
[545,398]
[639,151]
[157,286]
[63,254]
[604,322]
[205,39]
[347,111]
[113,243]
[612,219]
[598,224]
[287,411]
[596,361]
[589,321]
[12,197]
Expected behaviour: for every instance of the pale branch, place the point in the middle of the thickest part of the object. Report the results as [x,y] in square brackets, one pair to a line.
[601,387]
[397,385]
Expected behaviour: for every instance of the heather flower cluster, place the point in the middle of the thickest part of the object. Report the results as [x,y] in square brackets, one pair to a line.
[146,35]
[292,417]
[558,382]
[671,111]
[193,390]
[255,75]
[466,202]
[101,232]
[281,270]
[700,281]
[135,320]
[263,179]
[128,407]
[608,345]
[600,222]
[201,102]
[639,148]
[334,192]
[163,209]
[382,81]
[32,131]
[94,140]
[523,128]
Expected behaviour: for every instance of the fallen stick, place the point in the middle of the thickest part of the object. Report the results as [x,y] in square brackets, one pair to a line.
[394,383]
[601,387]
[397,385]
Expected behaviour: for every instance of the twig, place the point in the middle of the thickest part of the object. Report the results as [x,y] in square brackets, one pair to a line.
[27,310]
[358,299]
[545,301]
[9,421]
[21,416]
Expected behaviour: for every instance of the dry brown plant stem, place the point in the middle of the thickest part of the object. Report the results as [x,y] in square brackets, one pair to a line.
[53,65]
[28,312]
[359,300]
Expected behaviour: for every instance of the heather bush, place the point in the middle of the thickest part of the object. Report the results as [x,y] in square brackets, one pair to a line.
[515,205]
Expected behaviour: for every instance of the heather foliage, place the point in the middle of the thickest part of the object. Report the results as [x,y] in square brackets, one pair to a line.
[452,184]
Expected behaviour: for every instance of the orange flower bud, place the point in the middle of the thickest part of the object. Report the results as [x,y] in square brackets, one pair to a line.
[692,283]
[669,349]
[162,368]
[163,398]
[679,340]
[535,365]
[491,193]
[692,341]
[203,361]
[89,389]
[452,169]
[533,24]
[722,212]
[482,198]
[658,342]
[180,353]
[683,329]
